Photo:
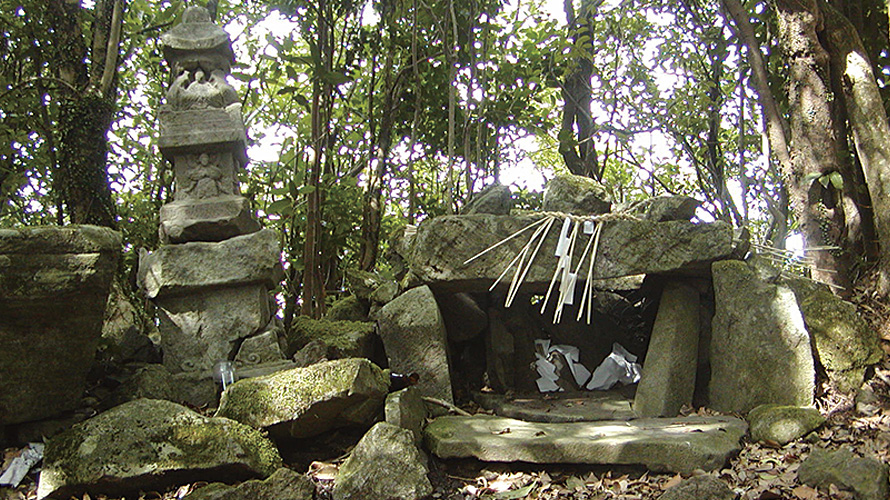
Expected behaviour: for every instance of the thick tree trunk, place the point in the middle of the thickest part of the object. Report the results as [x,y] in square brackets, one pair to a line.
[816,149]
[86,113]
[868,123]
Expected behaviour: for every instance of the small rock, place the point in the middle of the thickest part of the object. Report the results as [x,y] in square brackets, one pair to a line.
[577,195]
[782,424]
[384,465]
[867,477]
[305,402]
[665,208]
[494,199]
[284,484]
[406,409]
[151,445]
[345,339]
[702,487]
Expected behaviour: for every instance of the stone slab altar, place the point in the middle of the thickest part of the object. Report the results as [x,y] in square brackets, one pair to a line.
[627,247]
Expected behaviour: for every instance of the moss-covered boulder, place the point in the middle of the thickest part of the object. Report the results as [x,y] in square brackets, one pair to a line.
[305,402]
[386,465]
[345,339]
[151,445]
[842,340]
[782,424]
[284,484]
[349,308]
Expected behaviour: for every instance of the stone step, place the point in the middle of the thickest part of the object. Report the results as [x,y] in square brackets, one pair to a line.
[679,445]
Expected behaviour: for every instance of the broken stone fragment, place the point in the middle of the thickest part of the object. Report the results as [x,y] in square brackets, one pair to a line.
[576,194]
[867,477]
[343,339]
[406,409]
[150,445]
[703,487]
[757,329]
[385,464]
[304,402]
[284,484]
[782,424]
[189,267]
[665,208]
[842,339]
[54,286]
[259,349]
[211,219]
[413,333]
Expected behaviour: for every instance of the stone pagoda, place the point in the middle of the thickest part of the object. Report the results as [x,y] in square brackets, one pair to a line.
[211,278]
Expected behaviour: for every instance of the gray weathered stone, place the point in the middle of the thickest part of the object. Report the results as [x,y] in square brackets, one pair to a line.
[414,338]
[385,464]
[494,199]
[52,303]
[190,267]
[283,484]
[464,319]
[124,335]
[152,445]
[843,341]
[668,379]
[202,329]
[677,444]
[406,409]
[782,424]
[665,208]
[758,331]
[443,244]
[576,194]
[304,402]
[587,406]
[211,219]
[867,477]
[259,349]
[703,487]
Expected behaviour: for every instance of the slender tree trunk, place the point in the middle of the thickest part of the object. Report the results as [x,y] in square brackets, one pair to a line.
[870,129]
[313,274]
[576,132]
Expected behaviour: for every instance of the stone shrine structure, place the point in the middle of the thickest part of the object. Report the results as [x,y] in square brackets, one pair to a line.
[211,277]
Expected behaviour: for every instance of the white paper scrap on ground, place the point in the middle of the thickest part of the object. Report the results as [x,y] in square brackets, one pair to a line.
[21,464]
[619,367]
[547,370]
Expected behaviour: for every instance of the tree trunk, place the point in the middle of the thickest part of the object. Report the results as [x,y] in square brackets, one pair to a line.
[87,111]
[816,150]
[868,122]
[576,133]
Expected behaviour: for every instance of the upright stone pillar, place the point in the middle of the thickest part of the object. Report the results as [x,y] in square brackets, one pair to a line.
[212,275]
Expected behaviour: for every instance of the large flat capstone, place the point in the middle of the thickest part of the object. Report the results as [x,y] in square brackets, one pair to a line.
[661,444]
[627,247]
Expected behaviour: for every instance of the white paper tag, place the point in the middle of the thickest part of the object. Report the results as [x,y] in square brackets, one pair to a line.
[562,244]
[589,226]
[568,289]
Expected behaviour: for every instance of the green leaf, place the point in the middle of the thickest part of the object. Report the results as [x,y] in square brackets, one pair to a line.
[512,494]
[809,178]
[837,180]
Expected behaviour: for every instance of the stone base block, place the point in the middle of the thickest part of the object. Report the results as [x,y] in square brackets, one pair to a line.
[212,219]
[201,329]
